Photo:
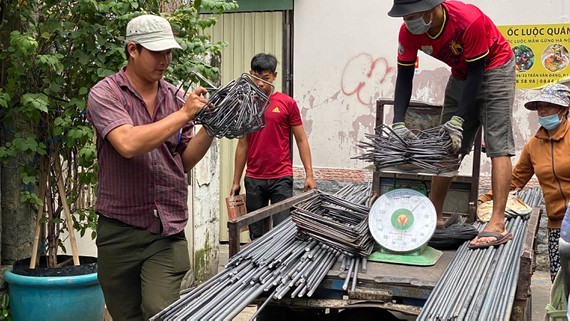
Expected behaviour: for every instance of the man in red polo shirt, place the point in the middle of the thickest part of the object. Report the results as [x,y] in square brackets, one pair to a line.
[144,148]
[480,91]
[269,174]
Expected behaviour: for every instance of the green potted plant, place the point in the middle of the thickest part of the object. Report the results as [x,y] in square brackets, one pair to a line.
[53,52]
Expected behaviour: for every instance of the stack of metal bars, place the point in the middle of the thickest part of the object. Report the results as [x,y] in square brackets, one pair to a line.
[233,110]
[333,221]
[277,263]
[488,279]
[428,152]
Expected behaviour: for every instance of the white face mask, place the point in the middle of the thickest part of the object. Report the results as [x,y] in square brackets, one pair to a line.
[418,26]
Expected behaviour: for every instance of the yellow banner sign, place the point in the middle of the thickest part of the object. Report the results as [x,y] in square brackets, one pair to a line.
[541,53]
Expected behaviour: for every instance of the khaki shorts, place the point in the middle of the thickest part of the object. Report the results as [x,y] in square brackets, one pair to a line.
[493,109]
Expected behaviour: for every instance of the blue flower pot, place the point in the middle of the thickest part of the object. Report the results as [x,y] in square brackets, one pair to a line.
[55,298]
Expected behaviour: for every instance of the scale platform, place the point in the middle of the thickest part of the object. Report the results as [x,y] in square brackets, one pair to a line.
[426,256]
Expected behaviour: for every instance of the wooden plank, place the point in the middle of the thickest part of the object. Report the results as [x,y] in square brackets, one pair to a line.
[527,260]
[42,194]
[67,212]
[527,267]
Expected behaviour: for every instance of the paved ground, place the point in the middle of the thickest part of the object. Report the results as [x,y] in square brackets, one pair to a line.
[540,287]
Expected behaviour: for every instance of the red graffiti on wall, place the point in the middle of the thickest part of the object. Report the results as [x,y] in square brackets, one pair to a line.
[363,77]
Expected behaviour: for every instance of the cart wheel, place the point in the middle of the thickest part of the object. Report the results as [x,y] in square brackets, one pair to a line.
[366,314]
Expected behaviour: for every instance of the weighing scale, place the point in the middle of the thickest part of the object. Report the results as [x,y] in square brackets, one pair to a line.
[402,221]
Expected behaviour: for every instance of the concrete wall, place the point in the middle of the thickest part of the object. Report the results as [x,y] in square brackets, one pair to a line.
[202,229]
[345,59]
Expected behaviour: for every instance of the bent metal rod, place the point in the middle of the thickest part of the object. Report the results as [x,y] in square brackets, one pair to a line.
[232,110]
[429,151]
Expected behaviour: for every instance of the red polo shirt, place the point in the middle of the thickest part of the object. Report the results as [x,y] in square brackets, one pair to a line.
[269,149]
[467,35]
[134,190]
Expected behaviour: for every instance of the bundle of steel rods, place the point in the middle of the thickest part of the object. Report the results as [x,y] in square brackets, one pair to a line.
[349,265]
[336,222]
[479,284]
[234,109]
[275,265]
[429,151]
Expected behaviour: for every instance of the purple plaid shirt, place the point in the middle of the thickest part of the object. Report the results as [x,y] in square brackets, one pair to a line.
[149,191]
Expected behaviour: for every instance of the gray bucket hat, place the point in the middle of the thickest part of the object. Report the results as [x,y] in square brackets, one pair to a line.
[402,8]
[152,32]
[557,94]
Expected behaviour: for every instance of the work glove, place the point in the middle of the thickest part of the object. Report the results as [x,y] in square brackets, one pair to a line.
[402,131]
[454,128]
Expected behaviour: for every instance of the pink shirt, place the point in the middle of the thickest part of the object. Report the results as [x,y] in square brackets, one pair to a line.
[149,190]
[467,35]
[269,149]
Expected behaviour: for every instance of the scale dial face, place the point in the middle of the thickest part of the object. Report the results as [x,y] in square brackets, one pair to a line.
[402,220]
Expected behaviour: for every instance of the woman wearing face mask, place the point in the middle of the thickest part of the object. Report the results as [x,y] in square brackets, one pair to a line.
[480,91]
[546,155]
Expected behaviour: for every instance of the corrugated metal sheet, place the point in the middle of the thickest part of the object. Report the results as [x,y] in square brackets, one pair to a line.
[247,35]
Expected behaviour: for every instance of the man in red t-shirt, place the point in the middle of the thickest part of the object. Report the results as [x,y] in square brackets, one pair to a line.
[267,152]
[480,91]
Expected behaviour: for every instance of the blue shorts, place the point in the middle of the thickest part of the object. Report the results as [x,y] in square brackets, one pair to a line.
[493,109]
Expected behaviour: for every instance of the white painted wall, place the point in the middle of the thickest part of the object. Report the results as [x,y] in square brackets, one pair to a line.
[341,45]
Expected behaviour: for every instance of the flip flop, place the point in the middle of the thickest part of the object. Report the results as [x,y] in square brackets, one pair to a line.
[499,239]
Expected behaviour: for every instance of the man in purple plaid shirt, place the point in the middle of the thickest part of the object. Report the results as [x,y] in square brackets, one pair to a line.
[145,145]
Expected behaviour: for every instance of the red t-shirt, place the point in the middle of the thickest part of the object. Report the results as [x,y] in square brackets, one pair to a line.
[467,35]
[269,149]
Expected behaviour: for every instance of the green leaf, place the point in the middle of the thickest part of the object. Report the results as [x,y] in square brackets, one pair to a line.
[24,43]
[31,198]
[37,101]
[26,144]
[28,179]
[51,62]
[4,99]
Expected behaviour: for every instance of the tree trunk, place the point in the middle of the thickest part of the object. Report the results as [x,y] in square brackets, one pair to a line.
[14,219]
[18,221]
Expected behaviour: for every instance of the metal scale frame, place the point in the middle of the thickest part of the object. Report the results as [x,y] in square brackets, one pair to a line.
[402,220]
